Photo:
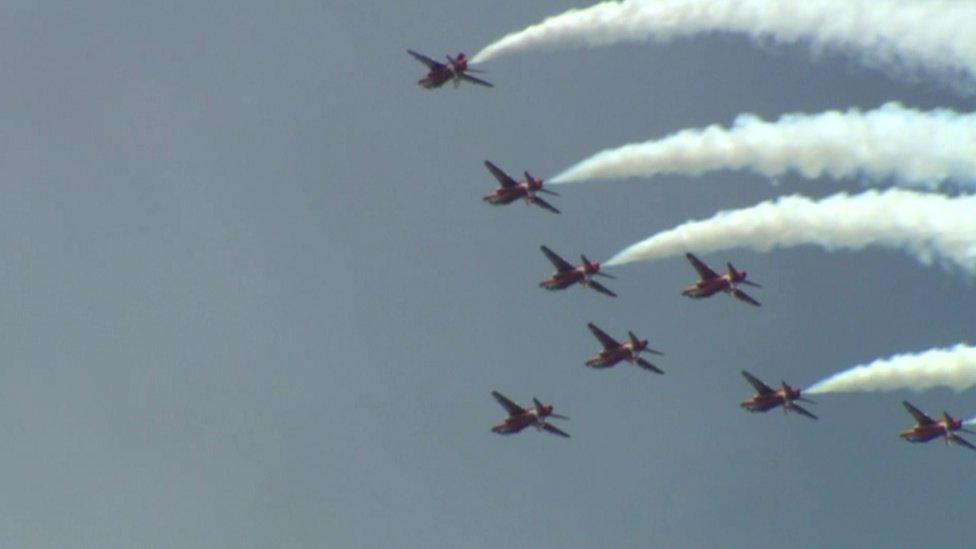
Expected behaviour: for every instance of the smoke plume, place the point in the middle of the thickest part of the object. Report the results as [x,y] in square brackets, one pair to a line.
[909,147]
[954,368]
[904,35]
[931,227]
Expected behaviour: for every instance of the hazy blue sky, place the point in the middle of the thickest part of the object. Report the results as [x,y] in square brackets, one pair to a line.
[251,297]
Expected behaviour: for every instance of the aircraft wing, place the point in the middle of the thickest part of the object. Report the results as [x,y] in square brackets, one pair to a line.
[431,64]
[961,441]
[503,179]
[704,272]
[605,340]
[745,298]
[648,366]
[510,407]
[555,430]
[760,387]
[801,410]
[559,263]
[600,288]
[919,416]
[473,80]
[542,204]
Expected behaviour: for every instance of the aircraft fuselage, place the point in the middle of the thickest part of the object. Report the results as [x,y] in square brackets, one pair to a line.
[515,424]
[563,280]
[707,288]
[924,433]
[437,77]
[506,195]
[611,357]
[761,403]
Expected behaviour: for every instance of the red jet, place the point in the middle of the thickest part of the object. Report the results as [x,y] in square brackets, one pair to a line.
[614,351]
[519,418]
[926,428]
[438,74]
[710,283]
[510,190]
[766,398]
[566,275]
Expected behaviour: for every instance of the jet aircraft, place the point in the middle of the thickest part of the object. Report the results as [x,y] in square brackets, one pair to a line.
[614,351]
[519,418]
[926,428]
[710,283]
[566,275]
[510,190]
[455,69]
[767,398]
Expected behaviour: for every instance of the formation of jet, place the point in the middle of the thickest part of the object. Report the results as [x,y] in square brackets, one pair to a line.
[510,190]
[519,418]
[456,69]
[567,274]
[710,283]
[767,398]
[614,351]
[926,428]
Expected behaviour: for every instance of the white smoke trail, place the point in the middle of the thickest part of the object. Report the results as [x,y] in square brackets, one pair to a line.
[901,34]
[931,227]
[913,148]
[954,368]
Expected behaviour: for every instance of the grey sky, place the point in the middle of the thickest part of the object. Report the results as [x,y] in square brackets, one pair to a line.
[251,296]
